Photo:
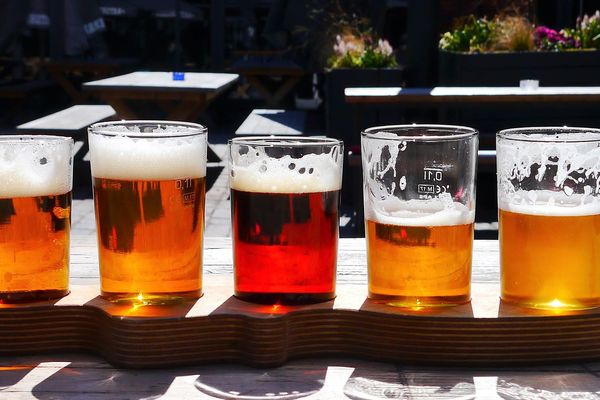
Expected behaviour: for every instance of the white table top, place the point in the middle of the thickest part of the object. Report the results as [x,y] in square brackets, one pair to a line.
[472,91]
[146,80]
[70,119]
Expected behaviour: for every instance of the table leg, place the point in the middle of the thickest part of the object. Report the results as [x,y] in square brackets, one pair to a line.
[77,96]
[284,89]
[262,89]
[121,107]
[187,110]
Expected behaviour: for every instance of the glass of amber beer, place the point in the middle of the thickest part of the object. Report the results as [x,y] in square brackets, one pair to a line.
[549,216]
[35,217]
[419,199]
[285,195]
[149,184]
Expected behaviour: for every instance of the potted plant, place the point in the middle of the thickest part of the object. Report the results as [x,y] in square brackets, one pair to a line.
[507,49]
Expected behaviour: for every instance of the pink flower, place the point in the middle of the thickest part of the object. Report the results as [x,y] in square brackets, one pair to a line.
[384,47]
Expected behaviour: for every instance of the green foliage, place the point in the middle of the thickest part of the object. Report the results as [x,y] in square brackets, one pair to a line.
[474,36]
[516,33]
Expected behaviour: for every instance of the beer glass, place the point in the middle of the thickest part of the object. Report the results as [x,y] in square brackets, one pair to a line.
[549,216]
[419,199]
[285,195]
[149,183]
[35,217]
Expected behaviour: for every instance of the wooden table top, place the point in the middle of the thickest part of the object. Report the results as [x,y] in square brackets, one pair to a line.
[441,94]
[163,81]
[81,376]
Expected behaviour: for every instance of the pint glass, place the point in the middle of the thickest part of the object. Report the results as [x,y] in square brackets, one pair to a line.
[419,199]
[549,216]
[149,184]
[35,216]
[285,197]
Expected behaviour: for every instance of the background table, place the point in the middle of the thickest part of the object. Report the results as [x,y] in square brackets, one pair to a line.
[456,95]
[183,100]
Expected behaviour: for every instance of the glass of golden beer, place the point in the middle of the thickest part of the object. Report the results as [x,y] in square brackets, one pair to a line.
[549,216]
[285,195]
[419,199]
[35,217]
[149,186]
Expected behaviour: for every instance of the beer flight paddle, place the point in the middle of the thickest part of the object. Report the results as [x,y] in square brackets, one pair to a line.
[149,182]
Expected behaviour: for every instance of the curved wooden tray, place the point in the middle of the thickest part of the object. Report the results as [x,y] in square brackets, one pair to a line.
[219,327]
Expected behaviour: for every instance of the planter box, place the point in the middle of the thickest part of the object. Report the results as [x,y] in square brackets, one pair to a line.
[341,119]
[571,68]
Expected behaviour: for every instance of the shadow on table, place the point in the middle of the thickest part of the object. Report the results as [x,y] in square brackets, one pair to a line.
[79,376]
[225,382]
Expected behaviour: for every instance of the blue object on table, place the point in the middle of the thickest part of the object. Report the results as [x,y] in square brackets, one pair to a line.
[178,76]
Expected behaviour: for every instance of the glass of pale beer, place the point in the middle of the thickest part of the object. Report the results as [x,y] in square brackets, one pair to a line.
[549,216]
[419,199]
[35,217]
[149,187]
[285,195]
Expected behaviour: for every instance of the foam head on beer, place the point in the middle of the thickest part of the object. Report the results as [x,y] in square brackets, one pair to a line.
[130,153]
[255,171]
[34,167]
[432,212]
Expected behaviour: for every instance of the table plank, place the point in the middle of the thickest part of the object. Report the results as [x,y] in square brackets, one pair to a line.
[273,122]
[70,119]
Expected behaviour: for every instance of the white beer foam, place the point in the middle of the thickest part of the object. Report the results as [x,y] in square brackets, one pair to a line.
[556,205]
[34,168]
[393,211]
[152,158]
[309,174]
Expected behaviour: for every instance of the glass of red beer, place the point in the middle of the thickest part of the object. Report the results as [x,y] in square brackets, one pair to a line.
[285,195]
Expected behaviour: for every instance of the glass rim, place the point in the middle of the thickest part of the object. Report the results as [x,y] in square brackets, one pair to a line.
[549,134]
[14,139]
[192,129]
[285,141]
[402,132]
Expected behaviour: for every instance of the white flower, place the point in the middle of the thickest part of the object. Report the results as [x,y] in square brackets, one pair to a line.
[340,47]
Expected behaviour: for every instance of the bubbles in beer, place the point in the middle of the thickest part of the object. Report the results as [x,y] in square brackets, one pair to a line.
[256,171]
[566,169]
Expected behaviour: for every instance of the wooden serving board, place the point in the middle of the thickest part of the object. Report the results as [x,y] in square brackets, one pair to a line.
[219,327]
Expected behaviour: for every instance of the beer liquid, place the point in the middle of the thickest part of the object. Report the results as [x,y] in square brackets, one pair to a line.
[418,266]
[550,262]
[150,239]
[285,246]
[34,247]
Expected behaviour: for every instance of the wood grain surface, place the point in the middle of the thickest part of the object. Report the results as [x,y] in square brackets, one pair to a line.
[219,327]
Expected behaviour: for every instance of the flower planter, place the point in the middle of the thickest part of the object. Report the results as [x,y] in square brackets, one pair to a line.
[566,68]
[341,118]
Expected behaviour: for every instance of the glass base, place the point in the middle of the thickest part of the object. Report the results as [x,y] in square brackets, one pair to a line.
[284,298]
[417,302]
[551,304]
[151,298]
[32,295]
